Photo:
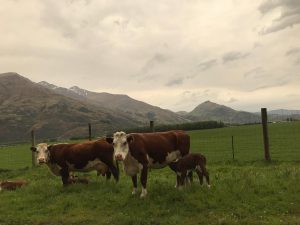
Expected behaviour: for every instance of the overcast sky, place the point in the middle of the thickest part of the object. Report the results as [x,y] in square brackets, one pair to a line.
[173,54]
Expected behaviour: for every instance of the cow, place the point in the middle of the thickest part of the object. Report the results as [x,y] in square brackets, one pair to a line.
[140,151]
[186,165]
[12,185]
[81,157]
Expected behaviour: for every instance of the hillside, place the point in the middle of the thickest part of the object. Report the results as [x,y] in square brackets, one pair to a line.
[134,109]
[212,111]
[25,105]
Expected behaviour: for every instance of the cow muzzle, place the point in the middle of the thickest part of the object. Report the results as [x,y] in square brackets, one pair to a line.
[41,160]
[119,157]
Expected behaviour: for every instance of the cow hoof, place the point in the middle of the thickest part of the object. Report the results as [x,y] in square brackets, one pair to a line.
[208,185]
[134,191]
[144,193]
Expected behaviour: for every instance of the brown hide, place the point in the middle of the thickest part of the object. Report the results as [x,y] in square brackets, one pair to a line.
[78,155]
[158,145]
[191,162]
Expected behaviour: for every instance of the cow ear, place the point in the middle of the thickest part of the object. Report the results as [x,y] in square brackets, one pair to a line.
[109,140]
[33,148]
[129,138]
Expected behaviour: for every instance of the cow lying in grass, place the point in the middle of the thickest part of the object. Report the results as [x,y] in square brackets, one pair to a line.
[12,185]
[82,157]
[186,165]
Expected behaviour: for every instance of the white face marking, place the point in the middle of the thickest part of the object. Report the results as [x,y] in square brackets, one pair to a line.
[144,192]
[42,153]
[120,144]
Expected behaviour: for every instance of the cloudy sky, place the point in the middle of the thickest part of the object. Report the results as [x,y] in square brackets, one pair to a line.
[173,54]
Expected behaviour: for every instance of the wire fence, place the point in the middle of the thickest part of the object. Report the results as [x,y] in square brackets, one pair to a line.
[241,143]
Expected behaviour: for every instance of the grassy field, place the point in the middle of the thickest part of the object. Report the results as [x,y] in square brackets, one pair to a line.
[245,191]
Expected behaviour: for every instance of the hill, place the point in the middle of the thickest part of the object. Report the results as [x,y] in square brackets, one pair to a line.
[136,110]
[57,112]
[25,105]
[212,111]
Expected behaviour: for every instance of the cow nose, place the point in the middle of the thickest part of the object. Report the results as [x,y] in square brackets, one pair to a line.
[119,157]
[42,160]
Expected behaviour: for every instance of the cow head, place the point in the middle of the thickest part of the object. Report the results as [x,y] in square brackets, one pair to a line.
[120,142]
[42,151]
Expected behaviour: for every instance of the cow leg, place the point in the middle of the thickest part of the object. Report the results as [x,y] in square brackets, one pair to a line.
[190,177]
[108,175]
[173,167]
[205,173]
[134,181]
[200,176]
[114,170]
[64,172]
[182,178]
[144,180]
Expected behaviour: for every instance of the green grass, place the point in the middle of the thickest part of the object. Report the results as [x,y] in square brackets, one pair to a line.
[252,193]
[245,191]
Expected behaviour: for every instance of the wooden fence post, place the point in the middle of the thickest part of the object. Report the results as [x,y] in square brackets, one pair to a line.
[232,147]
[264,121]
[90,131]
[151,125]
[33,145]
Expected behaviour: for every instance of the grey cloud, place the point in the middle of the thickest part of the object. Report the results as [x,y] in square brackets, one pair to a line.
[232,56]
[290,14]
[255,72]
[174,82]
[207,64]
[158,58]
[52,17]
[293,51]
[295,54]
[277,84]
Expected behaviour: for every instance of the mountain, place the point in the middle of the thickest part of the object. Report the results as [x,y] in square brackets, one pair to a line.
[25,105]
[212,111]
[56,112]
[134,109]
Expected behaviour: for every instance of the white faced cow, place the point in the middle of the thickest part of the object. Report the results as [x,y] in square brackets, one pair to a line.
[84,157]
[140,151]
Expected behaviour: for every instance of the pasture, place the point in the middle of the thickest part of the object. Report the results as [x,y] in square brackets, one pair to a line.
[244,191]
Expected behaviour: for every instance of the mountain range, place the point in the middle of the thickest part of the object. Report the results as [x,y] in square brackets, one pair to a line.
[58,112]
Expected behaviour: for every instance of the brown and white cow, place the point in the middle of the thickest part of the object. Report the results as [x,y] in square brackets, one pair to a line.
[186,165]
[140,151]
[82,157]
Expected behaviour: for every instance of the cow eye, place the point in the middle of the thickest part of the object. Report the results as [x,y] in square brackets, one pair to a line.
[124,143]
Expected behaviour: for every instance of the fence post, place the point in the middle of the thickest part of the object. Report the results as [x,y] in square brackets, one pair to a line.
[232,147]
[151,125]
[264,121]
[32,152]
[90,132]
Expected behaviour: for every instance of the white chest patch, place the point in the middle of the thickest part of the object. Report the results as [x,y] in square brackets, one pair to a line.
[96,164]
[131,165]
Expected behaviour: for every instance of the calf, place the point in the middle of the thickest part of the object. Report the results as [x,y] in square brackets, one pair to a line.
[140,151]
[12,185]
[189,163]
[78,180]
[82,157]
